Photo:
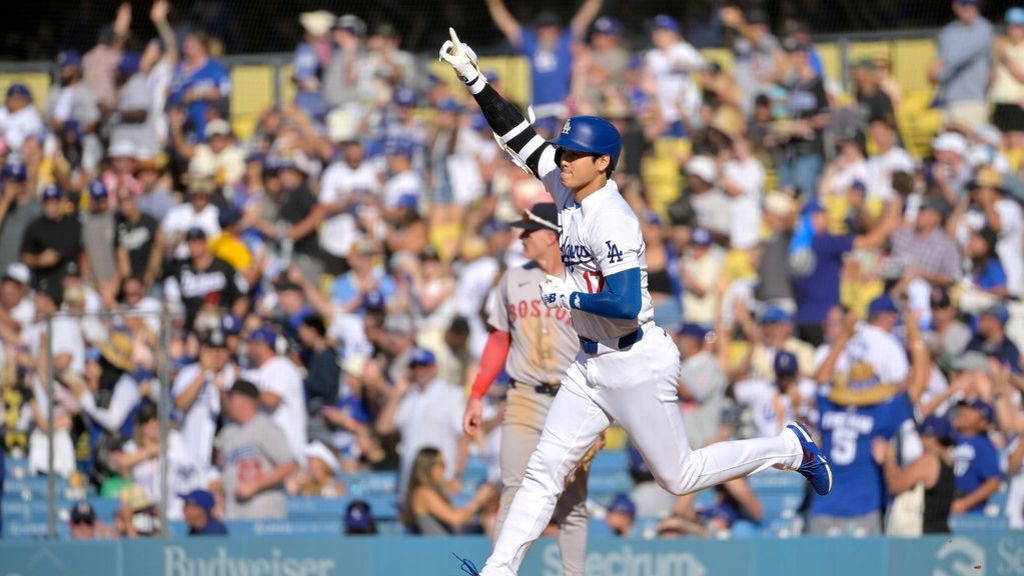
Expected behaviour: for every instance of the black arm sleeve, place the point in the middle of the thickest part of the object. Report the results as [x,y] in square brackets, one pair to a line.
[510,125]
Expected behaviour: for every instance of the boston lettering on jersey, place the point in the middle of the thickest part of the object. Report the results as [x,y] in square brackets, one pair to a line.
[535,309]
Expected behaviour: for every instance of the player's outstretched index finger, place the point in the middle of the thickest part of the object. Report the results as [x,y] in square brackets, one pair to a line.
[456,45]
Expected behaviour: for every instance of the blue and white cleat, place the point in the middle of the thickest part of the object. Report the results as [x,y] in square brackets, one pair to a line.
[815,466]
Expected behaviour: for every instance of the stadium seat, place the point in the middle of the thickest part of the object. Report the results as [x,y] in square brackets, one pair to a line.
[247,104]
[38,84]
[306,507]
[977,523]
[910,61]
[602,485]
[371,483]
[608,461]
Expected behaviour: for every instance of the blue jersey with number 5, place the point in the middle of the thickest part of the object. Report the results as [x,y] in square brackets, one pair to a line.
[847,433]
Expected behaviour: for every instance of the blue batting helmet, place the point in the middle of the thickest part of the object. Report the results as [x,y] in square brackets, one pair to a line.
[590,134]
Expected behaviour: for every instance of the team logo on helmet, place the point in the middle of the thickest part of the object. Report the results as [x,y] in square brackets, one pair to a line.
[567,127]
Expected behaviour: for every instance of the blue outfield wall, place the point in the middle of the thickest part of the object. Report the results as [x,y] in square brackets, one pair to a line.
[999,555]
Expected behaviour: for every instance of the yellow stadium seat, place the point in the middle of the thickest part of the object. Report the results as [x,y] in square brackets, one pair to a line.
[38,84]
[836,207]
[831,60]
[918,122]
[244,126]
[910,62]
[287,86]
[870,50]
[253,93]
[253,89]
[660,172]
[723,56]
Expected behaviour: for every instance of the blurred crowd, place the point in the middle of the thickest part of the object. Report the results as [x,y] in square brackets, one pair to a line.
[318,288]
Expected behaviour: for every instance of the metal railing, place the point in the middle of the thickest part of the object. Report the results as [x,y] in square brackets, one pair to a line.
[278,61]
[163,406]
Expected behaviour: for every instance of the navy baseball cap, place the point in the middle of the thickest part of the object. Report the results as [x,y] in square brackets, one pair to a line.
[215,339]
[230,325]
[129,63]
[258,157]
[776,315]
[700,237]
[97,191]
[359,518]
[70,127]
[999,312]
[69,58]
[195,233]
[82,513]
[19,90]
[15,171]
[785,364]
[374,300]
[422,357]
[399,147]
[405,97]
[264,335]
[622,503]
[449,105]
[884,304]
[607,25]
[987,412]
[200,498]
[812,206]
[540,216]
[245,388]
[350,23]
[666,22]
[693,330]
[228,217]
[410,201]
[938,427]
[51,192]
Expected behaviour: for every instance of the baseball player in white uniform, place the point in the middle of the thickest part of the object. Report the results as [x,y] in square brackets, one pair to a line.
[626,368]
[535,345]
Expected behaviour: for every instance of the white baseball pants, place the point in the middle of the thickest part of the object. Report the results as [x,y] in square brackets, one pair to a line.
[636,388]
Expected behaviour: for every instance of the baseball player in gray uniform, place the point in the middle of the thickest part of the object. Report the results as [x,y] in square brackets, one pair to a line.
[535,344]
[627,367]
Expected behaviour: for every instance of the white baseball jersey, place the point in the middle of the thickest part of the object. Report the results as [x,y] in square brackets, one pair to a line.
[872,355]
[600,237]
[280,376]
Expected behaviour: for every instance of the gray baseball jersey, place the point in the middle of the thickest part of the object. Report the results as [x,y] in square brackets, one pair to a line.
[250,451]
[543,340]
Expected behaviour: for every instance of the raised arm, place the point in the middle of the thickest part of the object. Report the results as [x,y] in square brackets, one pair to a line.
[158,15]
[889,224]
[920,359]
[584,16]
[512,129]
[828,365]
[897,480]
[506,22]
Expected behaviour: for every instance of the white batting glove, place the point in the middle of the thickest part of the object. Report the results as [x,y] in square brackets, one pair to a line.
[554,293]
[461,57]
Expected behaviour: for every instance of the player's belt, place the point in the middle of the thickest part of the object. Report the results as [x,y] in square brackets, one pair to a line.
[591,347]
[549,389]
